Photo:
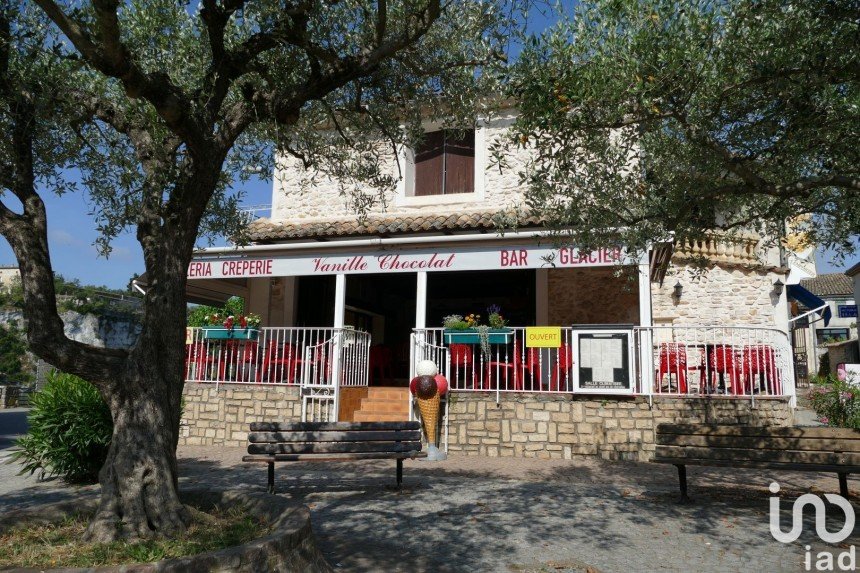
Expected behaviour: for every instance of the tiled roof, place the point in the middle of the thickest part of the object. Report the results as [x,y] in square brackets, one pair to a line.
[266,231]
[831,284]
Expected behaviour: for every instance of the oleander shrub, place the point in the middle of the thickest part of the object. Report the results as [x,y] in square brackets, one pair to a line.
[70,429]
[836,402]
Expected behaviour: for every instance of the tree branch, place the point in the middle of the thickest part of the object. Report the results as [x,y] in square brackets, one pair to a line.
[111,57]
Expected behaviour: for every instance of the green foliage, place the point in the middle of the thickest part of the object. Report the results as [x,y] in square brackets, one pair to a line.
[651,117]
[836,402]
[234,306]
[70,429]
[14,366]
[83,299]
[824,365]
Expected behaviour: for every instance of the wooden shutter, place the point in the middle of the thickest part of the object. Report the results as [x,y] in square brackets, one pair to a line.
[460,162]
[429,159]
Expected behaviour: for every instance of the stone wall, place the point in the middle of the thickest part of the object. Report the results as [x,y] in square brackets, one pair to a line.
[101,331]
[300,194]
[220,416]
[562,426]
[719,296]
[592,296]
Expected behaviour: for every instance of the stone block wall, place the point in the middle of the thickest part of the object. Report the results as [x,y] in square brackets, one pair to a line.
[721,296]
[563,426]
[304,195]
[611,299]
[220,416]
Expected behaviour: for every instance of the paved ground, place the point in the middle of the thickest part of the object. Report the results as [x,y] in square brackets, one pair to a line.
[484,514]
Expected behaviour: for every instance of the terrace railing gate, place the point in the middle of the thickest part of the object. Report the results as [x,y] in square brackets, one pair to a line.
[341,360]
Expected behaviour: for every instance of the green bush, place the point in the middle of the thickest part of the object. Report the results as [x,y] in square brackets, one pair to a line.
[235,306]
[836,402]
[70,429]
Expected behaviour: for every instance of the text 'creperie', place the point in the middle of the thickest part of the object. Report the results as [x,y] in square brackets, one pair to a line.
[242,268]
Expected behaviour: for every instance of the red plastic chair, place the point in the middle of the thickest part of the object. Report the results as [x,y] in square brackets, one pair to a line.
[723,363]
[278,356]
[198,355]
[672,360]
[515,369]
[380,359]
[759,360]
[562,367]
[461,356]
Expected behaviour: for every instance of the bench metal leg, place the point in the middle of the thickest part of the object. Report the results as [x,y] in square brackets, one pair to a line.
[271,488]
[399,472]
[843,485]
[682,481]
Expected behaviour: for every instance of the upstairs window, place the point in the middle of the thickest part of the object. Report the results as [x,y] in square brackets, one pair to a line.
[445,163]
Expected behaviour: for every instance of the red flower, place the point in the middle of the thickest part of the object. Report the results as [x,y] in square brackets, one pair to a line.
[243,322]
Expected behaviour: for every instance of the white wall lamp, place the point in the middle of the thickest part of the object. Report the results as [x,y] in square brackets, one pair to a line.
[778,287]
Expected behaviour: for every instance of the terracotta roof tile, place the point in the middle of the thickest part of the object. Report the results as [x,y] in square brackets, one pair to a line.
[267,231]
[831,284]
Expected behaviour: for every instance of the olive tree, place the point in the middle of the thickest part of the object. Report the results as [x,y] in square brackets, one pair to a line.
[161,106]
[652,117]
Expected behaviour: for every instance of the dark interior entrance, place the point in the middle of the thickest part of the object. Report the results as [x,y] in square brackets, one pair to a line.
[471,292]
[384,305]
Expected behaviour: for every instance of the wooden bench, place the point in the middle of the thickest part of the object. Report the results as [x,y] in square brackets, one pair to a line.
[803,449]
[273,442]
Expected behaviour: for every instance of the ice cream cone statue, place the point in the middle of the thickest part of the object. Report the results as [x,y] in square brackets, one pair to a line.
[428,388]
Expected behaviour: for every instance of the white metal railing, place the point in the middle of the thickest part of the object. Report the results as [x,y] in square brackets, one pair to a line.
[732,361]
[507,367]
[278,356]
[736,361]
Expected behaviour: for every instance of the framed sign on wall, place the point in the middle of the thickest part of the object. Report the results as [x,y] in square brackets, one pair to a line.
[603,362]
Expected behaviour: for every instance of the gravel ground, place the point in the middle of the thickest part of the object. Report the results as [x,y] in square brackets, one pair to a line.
[519,515]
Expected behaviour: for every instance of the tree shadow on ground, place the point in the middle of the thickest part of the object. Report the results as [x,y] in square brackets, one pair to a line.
[474,520]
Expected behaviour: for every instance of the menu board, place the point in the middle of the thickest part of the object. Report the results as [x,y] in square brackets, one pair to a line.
[603,365]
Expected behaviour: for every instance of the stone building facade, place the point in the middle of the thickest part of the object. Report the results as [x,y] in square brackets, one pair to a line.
[314,263]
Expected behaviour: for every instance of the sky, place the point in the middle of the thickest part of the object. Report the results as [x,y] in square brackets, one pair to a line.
[72,232]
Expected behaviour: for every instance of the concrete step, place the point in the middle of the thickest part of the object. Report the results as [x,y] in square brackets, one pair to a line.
[388,393]
[373,405]
[379,417]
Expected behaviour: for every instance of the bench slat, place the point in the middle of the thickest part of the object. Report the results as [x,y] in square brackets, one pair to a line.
[755,455]
[333,426]
[333,447]
[344,457]
[759,442]
[333,457]
[760,465]
[751,431]
[332,436]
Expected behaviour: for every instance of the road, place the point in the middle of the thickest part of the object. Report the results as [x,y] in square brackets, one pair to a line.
[13,423]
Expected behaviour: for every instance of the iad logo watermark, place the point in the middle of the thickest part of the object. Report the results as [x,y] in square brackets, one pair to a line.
[824,561]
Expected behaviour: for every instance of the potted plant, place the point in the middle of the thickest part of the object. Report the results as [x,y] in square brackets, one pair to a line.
[244,327]
[469,330]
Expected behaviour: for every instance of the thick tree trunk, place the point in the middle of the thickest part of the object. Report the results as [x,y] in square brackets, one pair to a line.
[139,480]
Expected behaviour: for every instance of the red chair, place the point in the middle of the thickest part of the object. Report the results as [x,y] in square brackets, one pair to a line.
[759,360]
[672,360]
[461,356]
[278,356]
[381,359]
[723,363]
[515,369]
[562,367]
[198,355]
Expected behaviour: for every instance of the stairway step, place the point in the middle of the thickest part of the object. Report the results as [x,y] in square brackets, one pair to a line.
[379,417]
[385,408]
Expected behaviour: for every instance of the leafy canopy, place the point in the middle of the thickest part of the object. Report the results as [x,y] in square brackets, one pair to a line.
[652,116]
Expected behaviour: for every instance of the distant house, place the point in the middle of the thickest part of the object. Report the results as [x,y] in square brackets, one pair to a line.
[837,291]
[9,274]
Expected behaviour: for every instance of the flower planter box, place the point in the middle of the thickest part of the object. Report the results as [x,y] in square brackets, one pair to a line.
[211,333]
[472,336]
